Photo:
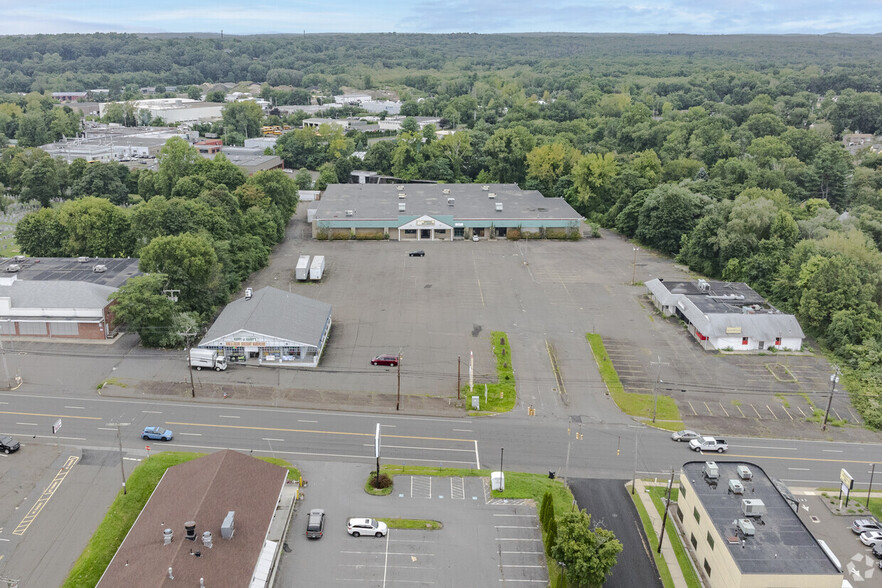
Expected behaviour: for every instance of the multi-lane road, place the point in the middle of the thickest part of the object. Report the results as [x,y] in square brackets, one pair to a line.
[605,450]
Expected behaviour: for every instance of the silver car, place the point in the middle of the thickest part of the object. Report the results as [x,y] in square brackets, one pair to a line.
[685,435]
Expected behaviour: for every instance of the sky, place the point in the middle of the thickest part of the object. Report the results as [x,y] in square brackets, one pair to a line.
[442,16]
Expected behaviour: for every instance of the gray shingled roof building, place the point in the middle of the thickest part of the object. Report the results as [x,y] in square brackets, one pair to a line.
[440,212]
[273,327]
[764,544]
[726,315]
[205,491]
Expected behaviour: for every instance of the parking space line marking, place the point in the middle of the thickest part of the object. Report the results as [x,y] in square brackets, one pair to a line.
[386,562]
[741,411]
[853,416]
[62,416]
[694,412]
[837,415]
[709,411]
[800,410]
[47,495]
[772,411]
[725,412]
[756,411]
[785,412]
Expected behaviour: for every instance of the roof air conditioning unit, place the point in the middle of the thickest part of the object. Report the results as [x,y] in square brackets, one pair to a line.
[401,206]
[746,527]
[99,269]
[402,195]
[744,472]
[82,260]
[753,507]
[485,188]
[711,470]
[736,487]
[450,201]
[491,195]
[350,212]
[13,267]
[19,258]
[445,191]
[399,188]
[228,527]
[499,207]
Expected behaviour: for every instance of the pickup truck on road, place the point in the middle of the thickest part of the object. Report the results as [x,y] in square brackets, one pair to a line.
[708,444]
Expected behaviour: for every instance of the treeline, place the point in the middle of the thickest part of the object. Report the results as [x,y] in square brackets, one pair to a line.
[201,228]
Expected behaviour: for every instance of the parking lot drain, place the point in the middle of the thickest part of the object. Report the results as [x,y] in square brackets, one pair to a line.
[815,519]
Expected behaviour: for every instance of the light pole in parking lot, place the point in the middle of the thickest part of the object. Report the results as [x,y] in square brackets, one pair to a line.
[634,268]
[834,379]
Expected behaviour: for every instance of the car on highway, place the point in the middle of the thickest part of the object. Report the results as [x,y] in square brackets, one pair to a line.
[156,434]
[358,527]
[385,359]
[863,525]
[870,538]
[315,524]
[417,253]
[685,435]
[8,444]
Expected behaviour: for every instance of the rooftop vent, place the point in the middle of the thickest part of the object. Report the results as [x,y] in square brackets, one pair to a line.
[401,206]
[753,507]
[190,527]
[82,260]
[228,527]
[736,487]
[445,191]
[167,536]
[99,269]
[13,267]
[450,201]
[499,207]
[485,188]
[402,195]
[491,195]
[746,527]
[206,539]
[711,470]
[350,212]
[744,472]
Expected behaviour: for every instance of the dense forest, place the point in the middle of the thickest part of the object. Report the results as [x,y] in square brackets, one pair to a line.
[733,155]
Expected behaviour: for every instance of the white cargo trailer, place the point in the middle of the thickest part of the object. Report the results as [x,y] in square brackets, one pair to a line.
[301,272]
[317,268]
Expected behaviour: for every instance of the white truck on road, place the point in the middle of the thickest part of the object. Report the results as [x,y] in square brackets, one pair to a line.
[208,358]
[703,443]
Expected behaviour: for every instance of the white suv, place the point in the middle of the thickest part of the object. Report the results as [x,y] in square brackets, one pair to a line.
[359,527]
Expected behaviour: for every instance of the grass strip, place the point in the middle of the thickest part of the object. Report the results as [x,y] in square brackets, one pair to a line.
[661,564]
[501,395]
[657,493]
[421,524]
[639,405]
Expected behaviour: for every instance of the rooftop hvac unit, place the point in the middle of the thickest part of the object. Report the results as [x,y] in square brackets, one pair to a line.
[491,195]
[401,206]
[499,207]
[753,507]
[736,487]
[13,267]
[82,260]
[703,285]
[19,258]
[99,269]
[399,188]
[711,470]
[350,212]
[744,472]
[445,191]
[228,527]
[746,527]
[485,188]
[402,195]
[450,201]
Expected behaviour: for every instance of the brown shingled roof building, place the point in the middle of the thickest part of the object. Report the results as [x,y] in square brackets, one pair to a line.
[204,490]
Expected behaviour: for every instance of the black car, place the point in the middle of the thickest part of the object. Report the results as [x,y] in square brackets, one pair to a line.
[417,253]
[8,444]
[315,524]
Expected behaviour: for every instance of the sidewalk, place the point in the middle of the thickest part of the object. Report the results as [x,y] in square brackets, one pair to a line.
[656,520]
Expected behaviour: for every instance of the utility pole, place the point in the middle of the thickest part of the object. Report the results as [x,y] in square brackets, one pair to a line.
[655,386]
[6,380]
[458,372]
[398,402]
[634,477]
[870,489]
[834,379]
[188,335]
[634,268]
[121,461]
[661,534]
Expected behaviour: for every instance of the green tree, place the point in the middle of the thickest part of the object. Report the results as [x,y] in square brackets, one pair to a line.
[191,265]
[242,118]
[144,309]
[327,176]
[40,182]
[548,163]
[96,228]
[588,554]
[303,179]
[102,180]
[832,166]
[281,190]
[41,234]
[593,180]
[176,159]
[506,151]
[668,213]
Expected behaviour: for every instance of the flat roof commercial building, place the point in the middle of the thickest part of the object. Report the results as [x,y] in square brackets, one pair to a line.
[273,327]
[769,547]
[441,212]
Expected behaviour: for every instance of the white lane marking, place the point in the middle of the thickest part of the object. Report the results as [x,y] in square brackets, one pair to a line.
[60,437]
[513,515]
[832,450]
[509,539]
[228,416]
[386,561]
[464,430]
[76,407]
[152,411]
[132,458]
[28,424]
[514,527]
[191,434]
[390,426]
[305,421]
[765,447]
[477,457]
[800,469]
[270,439]
[107,428]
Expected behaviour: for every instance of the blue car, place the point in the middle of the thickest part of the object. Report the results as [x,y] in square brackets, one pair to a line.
[157,434]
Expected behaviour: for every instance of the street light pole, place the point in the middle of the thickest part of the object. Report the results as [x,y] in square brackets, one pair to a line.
[634,268]
[834,379]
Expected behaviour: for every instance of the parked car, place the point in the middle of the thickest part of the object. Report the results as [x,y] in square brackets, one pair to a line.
[417,253]
[315,524]
[877,550]
[359,527]
[685,435]
[8,444]
[385,359]
[863,525]
[248,293]
[869,538]
[157,434]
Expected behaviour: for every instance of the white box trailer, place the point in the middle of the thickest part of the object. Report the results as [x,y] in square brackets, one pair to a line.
[317,267]
[301,272]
